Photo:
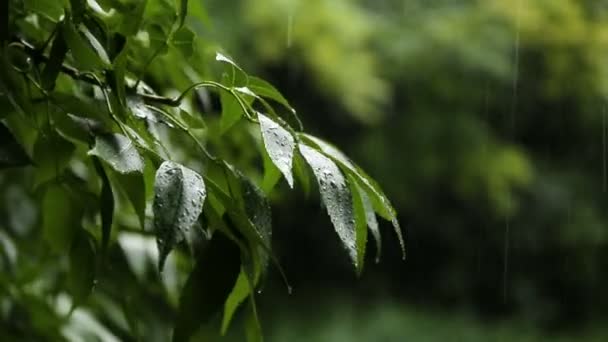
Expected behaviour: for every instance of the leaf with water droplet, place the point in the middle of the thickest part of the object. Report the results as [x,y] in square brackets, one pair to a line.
[360,223]
[279,144]
[378,199]
[179,194]
[119,152]
[336,196]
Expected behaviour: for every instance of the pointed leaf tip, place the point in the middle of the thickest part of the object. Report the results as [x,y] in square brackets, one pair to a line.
[179,194]
[335,195]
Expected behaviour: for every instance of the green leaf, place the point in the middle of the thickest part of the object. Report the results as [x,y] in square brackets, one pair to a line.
[81,278]
[336,197]
[237,296]
[183,12]
[271,173]
[52,154]
[279,144]
[238,76]
[11,152]
[179,194]
[132,20]
[106,204]
[52,67]
[135,189]
[360,223]
[207,286]
[183,40]
[253,330]
[60,217]
[301,172]
[88,54]
[372,223]
[119,152]
[51,9]
[380,202]
[267,90]
[231,111]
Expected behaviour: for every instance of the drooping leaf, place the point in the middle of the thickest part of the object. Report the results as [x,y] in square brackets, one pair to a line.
[60,217]
[81,277]
[119,152]
[106,204]
[58,51]
[237,77]
[336,197]
[52,154]
[237,296]
[360,223]
[179,194]
[207,286]
[372,223]
[88,54]
[11,152]
[253,330]
[267,90]
[279,144]
[380,202]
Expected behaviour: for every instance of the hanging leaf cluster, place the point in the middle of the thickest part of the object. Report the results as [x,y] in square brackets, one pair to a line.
[82,108]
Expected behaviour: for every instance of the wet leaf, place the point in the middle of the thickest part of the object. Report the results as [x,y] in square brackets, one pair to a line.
[11,152]
[279,144]
[179,194]
[207,286]
[378,199]
[119,152]
[360,223]
[336,197]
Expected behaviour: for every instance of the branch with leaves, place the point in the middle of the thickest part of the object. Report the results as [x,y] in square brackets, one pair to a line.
[80,115]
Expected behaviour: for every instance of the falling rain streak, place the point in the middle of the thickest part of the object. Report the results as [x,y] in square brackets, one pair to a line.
[289,27]
[511,128]
[604,169]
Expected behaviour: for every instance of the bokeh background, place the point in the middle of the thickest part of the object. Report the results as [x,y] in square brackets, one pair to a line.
[486,123]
